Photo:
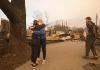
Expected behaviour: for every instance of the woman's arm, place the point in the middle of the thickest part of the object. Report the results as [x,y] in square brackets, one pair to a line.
[31,27]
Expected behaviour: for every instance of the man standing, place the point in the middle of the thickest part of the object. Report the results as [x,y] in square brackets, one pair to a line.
[91,37]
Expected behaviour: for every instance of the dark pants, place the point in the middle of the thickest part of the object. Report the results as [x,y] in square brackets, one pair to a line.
[34,54]
[43,46]
[90,45]
[35,47]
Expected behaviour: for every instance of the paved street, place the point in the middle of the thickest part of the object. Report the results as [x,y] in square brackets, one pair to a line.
[62,56]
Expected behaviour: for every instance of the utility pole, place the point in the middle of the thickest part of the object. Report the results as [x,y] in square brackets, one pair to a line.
[46,17]
[96,19]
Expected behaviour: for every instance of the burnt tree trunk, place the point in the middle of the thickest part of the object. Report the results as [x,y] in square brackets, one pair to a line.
[15,11]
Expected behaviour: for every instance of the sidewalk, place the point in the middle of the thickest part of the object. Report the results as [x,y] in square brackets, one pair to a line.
[63,56]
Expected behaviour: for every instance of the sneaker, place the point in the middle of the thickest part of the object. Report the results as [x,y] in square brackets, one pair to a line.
[44,62]
[37,61]
[95,57]
[34,65]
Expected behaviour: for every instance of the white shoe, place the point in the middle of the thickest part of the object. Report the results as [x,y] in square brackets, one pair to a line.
[44,62]
[37,62]
[38,59]
[34,66]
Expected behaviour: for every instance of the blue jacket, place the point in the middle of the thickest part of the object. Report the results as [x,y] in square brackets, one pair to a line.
[41,33]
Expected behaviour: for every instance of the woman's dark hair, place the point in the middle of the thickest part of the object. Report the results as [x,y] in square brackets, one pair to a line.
[35,22]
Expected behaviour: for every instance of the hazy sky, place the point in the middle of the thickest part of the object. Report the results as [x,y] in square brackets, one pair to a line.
[72,10]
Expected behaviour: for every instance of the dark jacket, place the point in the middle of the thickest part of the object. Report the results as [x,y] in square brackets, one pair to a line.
[92,29]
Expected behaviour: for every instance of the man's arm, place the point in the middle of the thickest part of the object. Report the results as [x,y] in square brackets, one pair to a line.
[95,30]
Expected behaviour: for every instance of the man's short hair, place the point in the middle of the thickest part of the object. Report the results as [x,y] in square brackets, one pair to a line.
[88,18]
